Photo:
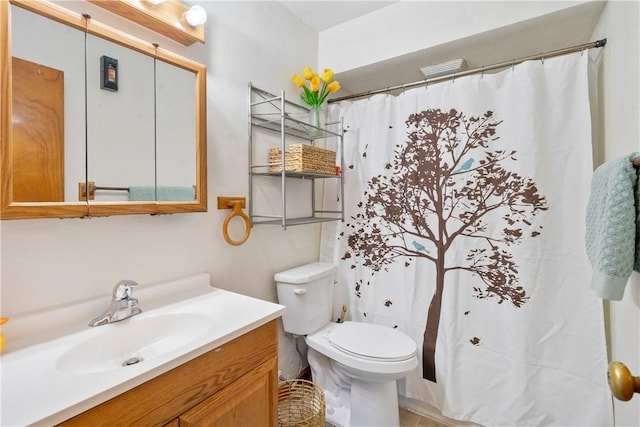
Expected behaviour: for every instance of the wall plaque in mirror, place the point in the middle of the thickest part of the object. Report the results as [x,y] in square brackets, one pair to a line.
[120,123]
[127,139]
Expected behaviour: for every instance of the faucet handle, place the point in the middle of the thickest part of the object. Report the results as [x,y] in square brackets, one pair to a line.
[123,289]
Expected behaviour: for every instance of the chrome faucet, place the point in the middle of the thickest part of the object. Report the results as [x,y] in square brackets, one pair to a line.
[122,306]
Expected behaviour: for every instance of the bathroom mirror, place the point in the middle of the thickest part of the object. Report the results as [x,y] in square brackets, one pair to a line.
[99,122]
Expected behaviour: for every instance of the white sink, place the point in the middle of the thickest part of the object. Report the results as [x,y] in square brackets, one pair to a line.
[54,379]
[137,339]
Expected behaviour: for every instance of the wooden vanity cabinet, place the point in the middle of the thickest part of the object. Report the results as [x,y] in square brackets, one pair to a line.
[235,385]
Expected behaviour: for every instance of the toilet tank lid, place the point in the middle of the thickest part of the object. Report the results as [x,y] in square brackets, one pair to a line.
[305,273]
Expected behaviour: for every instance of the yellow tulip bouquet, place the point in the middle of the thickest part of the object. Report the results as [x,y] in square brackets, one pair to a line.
[319,87]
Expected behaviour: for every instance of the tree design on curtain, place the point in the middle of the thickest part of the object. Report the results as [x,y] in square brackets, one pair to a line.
[442,185]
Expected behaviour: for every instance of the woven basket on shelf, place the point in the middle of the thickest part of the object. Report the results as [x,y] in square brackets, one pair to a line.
[300,403]
[304,158]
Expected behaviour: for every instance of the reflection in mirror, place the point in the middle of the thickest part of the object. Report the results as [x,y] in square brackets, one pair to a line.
[48,144]
[116,140]
[120,122]
[175,132]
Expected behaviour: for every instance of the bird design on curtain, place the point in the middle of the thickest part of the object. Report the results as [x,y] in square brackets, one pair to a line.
[446,184]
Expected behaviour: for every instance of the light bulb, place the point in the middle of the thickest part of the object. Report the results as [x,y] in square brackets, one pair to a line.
[196,15]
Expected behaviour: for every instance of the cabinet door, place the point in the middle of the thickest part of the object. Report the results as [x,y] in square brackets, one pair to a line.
[249,401]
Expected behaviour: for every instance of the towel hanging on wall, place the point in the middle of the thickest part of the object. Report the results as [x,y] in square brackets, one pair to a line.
[613,215]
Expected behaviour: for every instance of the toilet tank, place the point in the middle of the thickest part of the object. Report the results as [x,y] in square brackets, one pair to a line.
[307,292]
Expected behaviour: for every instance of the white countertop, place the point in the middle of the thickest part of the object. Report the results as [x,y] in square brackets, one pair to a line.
[35,391]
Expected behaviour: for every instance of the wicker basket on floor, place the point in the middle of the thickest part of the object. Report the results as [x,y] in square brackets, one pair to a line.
[300,403]
[304,158]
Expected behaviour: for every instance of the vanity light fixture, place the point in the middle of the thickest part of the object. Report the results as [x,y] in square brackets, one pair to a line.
[171,18]
[196,15]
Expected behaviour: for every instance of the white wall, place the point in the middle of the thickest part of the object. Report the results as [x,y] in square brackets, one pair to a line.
[410,26]
[53,262]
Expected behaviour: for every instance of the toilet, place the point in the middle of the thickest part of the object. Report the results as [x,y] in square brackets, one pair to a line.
[356,364]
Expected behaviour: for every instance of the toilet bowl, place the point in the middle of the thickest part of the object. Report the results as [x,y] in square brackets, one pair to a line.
[356,364]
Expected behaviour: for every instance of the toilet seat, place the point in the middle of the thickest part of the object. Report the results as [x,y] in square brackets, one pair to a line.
[372,342]
[364,366]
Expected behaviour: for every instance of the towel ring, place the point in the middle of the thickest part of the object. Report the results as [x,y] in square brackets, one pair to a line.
[236,204]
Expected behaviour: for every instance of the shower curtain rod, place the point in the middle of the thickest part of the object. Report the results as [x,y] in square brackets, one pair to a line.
[551,54]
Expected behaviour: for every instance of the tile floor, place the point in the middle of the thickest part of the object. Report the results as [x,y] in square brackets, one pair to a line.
[410,419]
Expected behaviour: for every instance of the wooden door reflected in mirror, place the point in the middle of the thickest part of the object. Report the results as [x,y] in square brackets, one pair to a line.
[38,132]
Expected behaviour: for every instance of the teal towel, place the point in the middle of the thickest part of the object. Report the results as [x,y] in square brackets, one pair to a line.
[164,194]
[612,224]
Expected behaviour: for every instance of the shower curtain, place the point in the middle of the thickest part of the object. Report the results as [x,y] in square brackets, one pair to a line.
[464,228]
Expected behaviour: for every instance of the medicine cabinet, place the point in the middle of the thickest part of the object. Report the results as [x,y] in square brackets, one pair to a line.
[278,124]
[96,122]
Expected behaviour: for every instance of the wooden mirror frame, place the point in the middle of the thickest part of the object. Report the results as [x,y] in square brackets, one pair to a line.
[31,210]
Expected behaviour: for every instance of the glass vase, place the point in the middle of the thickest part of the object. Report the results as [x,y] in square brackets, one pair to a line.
[315,114]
